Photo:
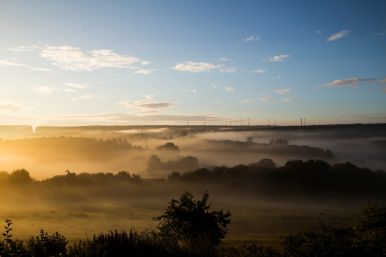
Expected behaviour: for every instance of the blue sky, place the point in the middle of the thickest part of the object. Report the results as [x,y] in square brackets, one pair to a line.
[179,62]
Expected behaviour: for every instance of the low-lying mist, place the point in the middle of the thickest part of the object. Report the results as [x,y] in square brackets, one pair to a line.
[83,177]
[266,201]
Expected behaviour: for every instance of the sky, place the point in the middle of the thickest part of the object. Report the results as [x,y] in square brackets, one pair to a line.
[192,62]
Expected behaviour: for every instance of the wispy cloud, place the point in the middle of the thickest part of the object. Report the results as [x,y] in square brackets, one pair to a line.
[354,81]
[87,97]
[259,71]
[144,71]
[13,63]
[251,39]
[146,104]
[248,101]
[282,91]
[224,59]
[229,89]
[74,87]
[7,106]
[286,100]
[338,35]
[76,59]
[380,34]
[266,98]
[44,90]
[109,118]
[191,90]
[278,58]
[196,67]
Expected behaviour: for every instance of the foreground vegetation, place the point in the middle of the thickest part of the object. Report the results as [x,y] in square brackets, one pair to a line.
[189,228]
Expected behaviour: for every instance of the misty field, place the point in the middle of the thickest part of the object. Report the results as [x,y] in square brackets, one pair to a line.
[66,193]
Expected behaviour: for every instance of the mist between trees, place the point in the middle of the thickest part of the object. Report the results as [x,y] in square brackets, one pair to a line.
[297,178]
[190,227]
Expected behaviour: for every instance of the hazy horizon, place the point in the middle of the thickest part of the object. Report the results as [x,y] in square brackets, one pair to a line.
[71,63]
[125,116]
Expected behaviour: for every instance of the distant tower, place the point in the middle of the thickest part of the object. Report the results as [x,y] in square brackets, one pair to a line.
[249,122]
[301,121]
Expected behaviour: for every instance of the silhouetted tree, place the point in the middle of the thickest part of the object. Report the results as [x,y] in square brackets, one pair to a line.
[266,164]
[193,225]
[20,177]
[169,146]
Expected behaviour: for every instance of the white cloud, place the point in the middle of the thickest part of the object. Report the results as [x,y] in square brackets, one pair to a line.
[75,59]
[146,104]
[282,91]
[224,59]
[196,67]
[74,87]
[107,118]
[265,98]
[259,71]
[354,81]
[13,63]
[286,100]
[7,106]
[276,77]
[338,35]
[213,85]
[191,90]
[144,71]
[44,90]
[229,89]
[251,39]
[87,97]
[7,62]
[278,58]
[248,101]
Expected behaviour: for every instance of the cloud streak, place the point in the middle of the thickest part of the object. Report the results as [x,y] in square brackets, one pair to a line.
[251,39]
[87,97]
[337,35]
[145,105]
[144,71]
[74,87]
[13,63]
[278,58]
[44,90]
[259,71]
[76,59]
[282,91]
[197,67]
[354,81]
[7,106]
[229,89]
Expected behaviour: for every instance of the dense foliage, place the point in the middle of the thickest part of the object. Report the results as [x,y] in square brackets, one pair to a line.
[192,225]
[312,178]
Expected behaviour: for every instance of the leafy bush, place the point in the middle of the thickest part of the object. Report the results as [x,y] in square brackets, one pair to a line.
[193,225]
[46,245]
